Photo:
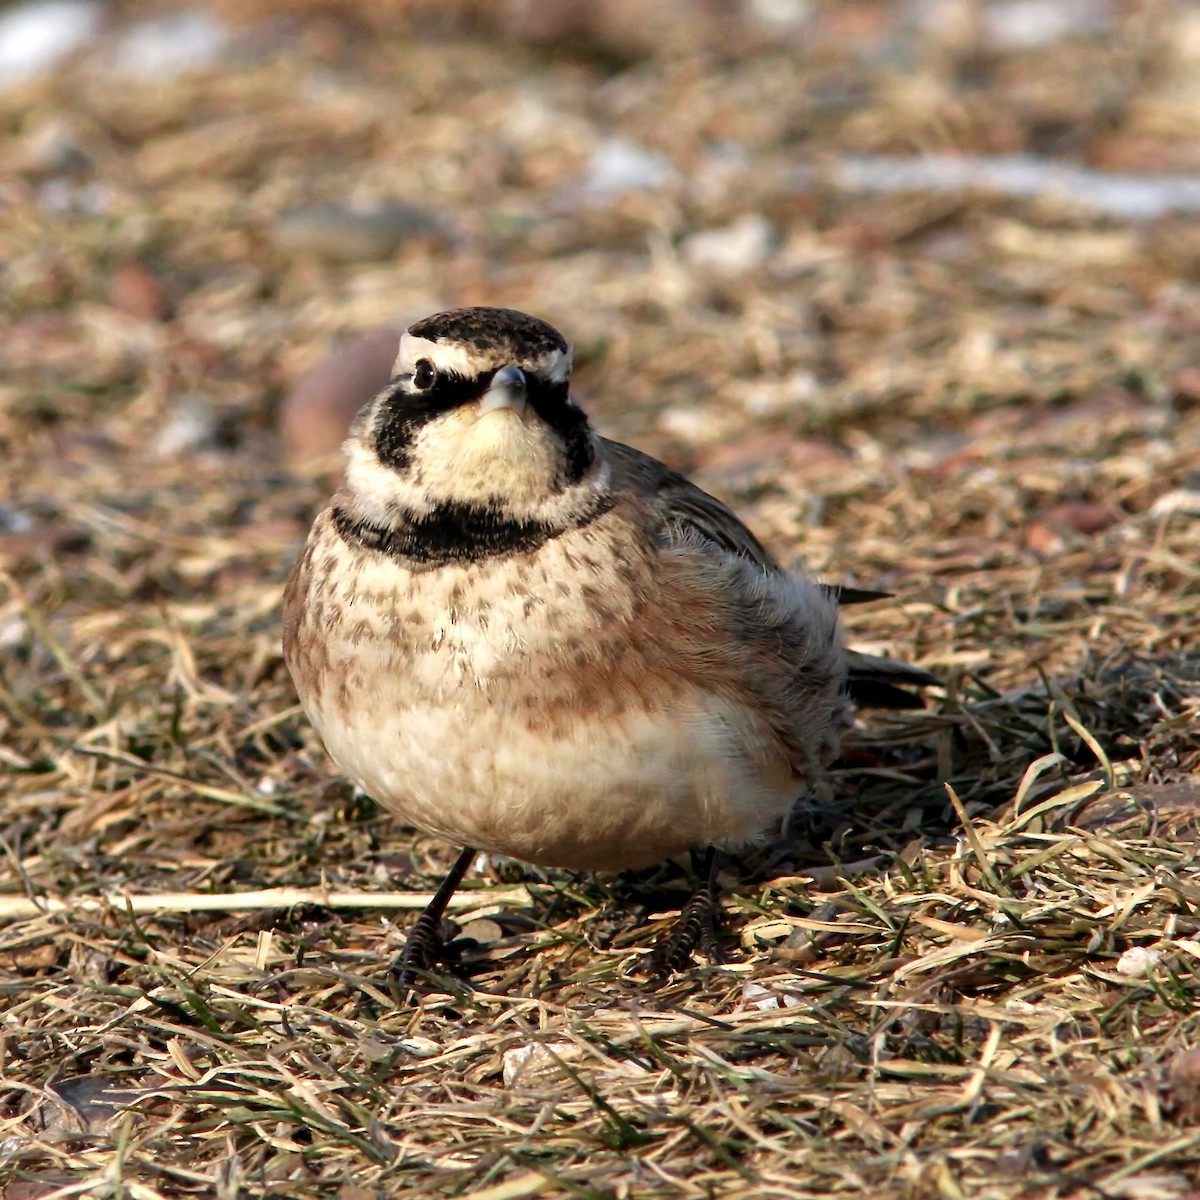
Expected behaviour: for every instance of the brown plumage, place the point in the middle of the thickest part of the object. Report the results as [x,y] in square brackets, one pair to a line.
[526,638]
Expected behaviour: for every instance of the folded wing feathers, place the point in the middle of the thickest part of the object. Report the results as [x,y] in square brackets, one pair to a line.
[872,682]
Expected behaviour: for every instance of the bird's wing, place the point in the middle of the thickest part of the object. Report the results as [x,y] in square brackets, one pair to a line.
[686,512]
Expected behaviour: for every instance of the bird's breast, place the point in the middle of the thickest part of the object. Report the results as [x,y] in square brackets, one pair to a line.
[365,628]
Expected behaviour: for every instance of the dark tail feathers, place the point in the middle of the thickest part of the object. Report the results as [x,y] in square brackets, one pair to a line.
[875,682]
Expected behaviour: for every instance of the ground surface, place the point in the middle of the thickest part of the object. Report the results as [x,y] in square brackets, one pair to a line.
[988,405]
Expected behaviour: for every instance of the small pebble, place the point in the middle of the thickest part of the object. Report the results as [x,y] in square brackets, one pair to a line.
[737,248]
[619,164]
[521,1063]
[420,1047]
[691,424]
[1028,24]
[15,520]
[38,35]
[1138,961]
[167,46]
[798,391]
[1049,533]
[1185,385]
[13,630]
[63,197]
[137,292]
[1182,1084]
[482,931]
[1043,539]
[1082,516]
[754,995]
[1185,1067]
[192,426]
[780,14]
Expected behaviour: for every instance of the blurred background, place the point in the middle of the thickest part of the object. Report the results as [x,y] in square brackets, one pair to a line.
[915,286]
[751,216]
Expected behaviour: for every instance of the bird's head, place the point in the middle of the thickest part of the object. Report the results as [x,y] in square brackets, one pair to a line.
[477,413]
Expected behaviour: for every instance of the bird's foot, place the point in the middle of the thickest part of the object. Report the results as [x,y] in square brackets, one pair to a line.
[695,929]
[423,950]
[425,946]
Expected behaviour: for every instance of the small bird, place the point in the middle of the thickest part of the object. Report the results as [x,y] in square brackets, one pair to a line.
[528,639]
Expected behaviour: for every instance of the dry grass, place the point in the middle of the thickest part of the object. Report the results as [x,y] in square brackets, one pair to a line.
[981,404]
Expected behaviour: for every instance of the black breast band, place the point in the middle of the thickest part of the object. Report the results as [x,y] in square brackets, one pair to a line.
[458,533]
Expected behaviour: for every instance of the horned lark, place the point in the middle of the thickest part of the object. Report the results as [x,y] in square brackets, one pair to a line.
[523,637]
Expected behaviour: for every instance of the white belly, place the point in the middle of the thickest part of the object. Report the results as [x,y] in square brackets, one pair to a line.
[625,792]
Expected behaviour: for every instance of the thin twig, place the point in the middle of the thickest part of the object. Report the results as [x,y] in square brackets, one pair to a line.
[15,907]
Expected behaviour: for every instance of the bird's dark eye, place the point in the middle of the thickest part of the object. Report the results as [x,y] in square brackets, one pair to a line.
[423,375]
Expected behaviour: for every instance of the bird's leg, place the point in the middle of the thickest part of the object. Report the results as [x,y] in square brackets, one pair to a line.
[696,925]
[424,945]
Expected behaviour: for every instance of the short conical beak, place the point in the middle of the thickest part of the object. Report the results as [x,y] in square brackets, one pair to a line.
[507,390]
